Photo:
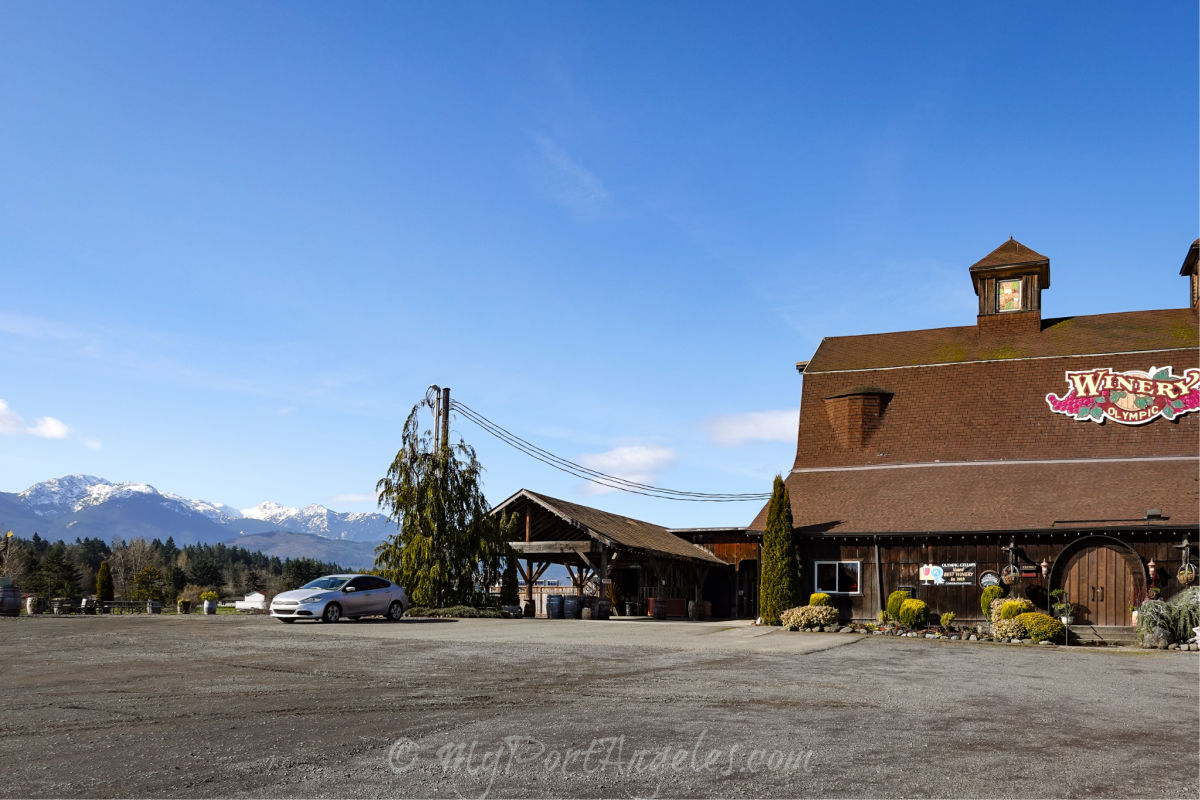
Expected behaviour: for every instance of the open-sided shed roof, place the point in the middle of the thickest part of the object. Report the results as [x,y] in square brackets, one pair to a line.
[561,520]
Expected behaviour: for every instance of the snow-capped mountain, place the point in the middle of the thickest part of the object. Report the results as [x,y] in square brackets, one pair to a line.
[321,521]
[85,505]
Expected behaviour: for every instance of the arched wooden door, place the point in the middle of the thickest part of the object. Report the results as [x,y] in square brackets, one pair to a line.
[1101,585]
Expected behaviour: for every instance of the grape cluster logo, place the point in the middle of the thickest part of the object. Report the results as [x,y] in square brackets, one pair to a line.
[1130,398]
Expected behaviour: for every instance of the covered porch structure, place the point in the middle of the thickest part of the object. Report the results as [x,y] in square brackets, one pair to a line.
[640,567]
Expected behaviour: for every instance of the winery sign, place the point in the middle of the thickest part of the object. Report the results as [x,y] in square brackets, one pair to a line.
[1131,398]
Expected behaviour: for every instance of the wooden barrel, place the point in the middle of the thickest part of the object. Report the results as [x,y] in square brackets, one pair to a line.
[571,606]
[554,606]
[10,602]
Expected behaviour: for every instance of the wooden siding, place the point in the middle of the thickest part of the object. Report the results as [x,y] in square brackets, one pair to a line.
[902,559]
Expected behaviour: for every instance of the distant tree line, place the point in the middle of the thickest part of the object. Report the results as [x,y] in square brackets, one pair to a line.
[150,570]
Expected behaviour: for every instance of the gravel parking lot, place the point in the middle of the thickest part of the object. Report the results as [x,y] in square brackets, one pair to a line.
[198,706]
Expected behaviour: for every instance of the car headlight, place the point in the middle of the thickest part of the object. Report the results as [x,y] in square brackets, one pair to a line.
[316,598]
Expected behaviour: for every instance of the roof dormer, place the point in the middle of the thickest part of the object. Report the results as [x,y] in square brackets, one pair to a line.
[1009,283]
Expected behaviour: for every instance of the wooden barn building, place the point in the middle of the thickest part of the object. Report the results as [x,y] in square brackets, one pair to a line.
[1063,451]
[1053,453]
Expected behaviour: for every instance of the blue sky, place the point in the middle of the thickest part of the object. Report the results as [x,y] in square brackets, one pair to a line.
[239,240]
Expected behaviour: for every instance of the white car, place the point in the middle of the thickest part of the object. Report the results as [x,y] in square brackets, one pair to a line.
[332,597]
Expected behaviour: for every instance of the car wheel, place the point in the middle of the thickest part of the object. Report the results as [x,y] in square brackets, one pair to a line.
[395,611]
[286,619]
[333,612]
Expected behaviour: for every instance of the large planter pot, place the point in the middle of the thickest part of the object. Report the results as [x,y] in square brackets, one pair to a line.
[183,607]
[1067,620]
[210,606]
[1134,614]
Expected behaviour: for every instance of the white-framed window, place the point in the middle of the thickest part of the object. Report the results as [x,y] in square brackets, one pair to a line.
[837,577]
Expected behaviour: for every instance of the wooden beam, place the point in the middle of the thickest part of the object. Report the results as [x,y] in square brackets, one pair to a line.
[540,548]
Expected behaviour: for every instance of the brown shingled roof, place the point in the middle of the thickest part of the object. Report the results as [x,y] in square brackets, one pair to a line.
[1009,253]
[995,496]
[1097,333]
[626,531]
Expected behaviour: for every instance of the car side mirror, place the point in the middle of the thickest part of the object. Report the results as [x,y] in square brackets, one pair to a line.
[348,589]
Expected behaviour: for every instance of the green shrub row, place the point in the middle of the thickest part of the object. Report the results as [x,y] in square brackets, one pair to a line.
[454,612]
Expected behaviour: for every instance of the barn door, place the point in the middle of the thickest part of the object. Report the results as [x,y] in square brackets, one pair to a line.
[1101,586]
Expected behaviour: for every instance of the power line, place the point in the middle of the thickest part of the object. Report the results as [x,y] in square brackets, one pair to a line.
[589,474]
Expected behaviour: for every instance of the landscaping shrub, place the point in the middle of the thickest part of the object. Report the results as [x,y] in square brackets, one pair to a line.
[417,611]
[1041,626]
[948,619]
[820,599]
[808,617]
[989,596]
[1185,613]
[895,600]
[913,613]
[1009,629]
[779,586]
[1011,609]
[1154,627]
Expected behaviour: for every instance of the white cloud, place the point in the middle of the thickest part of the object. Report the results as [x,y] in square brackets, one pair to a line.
[563,180]
[734,430]
[639,463]
[50,428]
[11,424]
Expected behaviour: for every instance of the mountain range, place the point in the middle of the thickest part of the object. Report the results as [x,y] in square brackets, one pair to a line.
[80,506]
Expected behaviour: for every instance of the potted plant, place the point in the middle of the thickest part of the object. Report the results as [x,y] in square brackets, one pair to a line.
[1061,607]
[183,606]
[210,602]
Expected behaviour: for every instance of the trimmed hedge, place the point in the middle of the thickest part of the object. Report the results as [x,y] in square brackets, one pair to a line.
[990,594]
[820,599]
[914,613]
[1009,629]
[1015,608]
[1041,626]
[895,600]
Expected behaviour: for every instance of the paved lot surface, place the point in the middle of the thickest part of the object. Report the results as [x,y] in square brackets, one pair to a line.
[243,706]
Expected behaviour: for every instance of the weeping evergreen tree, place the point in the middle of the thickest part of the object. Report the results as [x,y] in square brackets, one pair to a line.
[448,547]
[780,587]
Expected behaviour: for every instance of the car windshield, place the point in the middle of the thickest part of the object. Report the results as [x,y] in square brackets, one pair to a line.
[326,583]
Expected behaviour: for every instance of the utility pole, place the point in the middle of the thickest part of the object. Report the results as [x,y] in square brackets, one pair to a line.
[445,417]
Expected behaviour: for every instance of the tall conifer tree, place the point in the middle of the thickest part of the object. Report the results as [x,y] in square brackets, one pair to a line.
[780,587]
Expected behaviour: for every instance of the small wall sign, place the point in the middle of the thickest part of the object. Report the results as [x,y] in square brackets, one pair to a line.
[989,578]
[1130,398]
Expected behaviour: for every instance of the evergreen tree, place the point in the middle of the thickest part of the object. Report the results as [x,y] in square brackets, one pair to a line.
[448,548]
[104,583]
[149,585]
[780,587]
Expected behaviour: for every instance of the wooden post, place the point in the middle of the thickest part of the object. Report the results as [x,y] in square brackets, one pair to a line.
[602,575]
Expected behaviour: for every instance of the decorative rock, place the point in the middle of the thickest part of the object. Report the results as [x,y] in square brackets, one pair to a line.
[931,636]
[1174,646]
[1026,641]
[846,629]
[954,637]
[973,638]
[1046,641]
[1155,639]
[877,633]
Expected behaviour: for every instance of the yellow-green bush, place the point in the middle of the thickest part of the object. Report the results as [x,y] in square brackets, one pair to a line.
[820,599]
[989,596]
[948,619]
[1041,626]
[895,600]
[1015,608]
[913,613]
[1009,629]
